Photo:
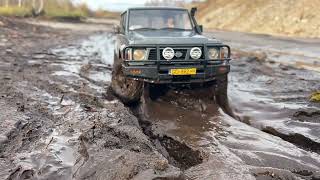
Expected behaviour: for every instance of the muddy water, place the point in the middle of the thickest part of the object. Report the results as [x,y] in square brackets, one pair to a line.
[191,116]
[296,52]
[90,134]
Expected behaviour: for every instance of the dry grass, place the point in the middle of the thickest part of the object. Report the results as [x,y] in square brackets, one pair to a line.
[56,10]
[285,17]
[15,11]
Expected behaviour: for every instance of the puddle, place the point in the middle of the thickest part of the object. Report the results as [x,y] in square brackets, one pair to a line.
[60,146]
[54,159]
[271,105]
[96,48]
[90,61]
[100,76]
[299,52]
[65,73]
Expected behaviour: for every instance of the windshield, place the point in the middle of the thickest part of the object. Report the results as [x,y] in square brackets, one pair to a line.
[159,20]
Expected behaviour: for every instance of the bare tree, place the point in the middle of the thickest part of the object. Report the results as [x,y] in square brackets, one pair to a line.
[37,7]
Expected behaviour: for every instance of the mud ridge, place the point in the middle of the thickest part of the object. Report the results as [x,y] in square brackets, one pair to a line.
[296,139]
[177,153]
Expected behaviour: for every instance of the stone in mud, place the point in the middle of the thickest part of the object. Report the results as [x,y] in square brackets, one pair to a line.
[39,56]
[1,23]
[284,67]
[273,173]
[3,139]
[161,164]
[9,51]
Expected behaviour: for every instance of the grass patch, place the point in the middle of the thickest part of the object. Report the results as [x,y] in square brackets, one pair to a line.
[54,9]
[61,14]
[315,97]
[105,14]
[65,10]
[15,11]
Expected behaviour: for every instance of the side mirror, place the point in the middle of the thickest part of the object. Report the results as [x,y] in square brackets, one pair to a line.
[201,28]
[116,29]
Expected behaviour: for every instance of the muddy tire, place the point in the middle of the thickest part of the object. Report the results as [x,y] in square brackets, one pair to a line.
[127,90]
[221,92]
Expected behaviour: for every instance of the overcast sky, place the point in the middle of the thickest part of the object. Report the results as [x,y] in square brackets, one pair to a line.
[115,5]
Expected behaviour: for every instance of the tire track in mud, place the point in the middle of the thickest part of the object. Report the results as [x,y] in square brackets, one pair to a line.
[178,153]
[270,100]
[98,125]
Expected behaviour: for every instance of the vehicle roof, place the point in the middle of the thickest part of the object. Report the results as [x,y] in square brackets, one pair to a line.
[154,7]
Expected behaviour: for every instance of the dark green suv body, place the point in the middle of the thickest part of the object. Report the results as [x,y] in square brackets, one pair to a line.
[165,46]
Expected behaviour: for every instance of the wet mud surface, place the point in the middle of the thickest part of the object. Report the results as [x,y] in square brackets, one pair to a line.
[59,119]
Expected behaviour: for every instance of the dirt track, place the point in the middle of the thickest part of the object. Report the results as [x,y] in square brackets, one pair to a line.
[59,119]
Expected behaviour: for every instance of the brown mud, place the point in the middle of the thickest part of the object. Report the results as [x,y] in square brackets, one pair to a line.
[59,119]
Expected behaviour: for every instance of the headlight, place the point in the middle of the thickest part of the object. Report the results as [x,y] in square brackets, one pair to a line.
[195,53]
[213,53]
[139,54]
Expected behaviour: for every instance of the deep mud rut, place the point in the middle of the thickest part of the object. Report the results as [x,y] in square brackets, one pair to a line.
[59,120]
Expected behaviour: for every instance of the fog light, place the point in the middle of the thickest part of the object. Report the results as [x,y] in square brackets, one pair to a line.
[223,69]
[135,71]
[195,53]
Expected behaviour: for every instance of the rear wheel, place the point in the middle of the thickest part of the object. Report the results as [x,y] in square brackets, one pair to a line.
[127,90]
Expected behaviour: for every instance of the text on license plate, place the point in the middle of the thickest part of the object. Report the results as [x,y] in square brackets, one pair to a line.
[186,71]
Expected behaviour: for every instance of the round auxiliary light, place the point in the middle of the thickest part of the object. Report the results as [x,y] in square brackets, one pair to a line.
[168,53]
[195,53]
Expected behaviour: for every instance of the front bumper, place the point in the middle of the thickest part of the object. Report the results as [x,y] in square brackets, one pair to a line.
[157,70]
[160,74]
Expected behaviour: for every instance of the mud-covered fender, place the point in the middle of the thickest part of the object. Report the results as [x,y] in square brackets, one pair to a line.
[121,43]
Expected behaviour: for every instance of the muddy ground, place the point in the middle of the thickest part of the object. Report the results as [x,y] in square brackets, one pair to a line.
[59,119]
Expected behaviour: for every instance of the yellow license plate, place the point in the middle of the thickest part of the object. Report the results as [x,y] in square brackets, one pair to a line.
[188,71]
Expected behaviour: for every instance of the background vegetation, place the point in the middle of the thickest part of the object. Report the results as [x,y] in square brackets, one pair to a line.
[275,17]
[58,9]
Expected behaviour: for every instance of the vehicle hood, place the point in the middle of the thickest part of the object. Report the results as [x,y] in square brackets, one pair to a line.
[168,37]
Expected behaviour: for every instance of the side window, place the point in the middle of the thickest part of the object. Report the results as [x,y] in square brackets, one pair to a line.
[123,22]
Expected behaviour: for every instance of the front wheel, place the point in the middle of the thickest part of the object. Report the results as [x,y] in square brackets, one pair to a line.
[221,92]
[127,90]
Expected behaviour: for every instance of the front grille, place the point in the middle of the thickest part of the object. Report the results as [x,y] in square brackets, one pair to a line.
[184,54]
[152,54]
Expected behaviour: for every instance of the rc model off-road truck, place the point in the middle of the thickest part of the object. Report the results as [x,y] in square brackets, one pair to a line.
[158,46]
